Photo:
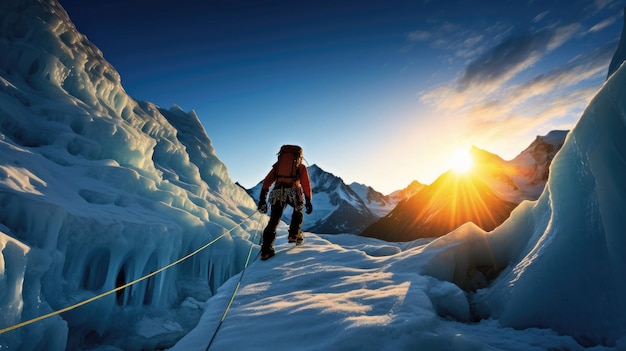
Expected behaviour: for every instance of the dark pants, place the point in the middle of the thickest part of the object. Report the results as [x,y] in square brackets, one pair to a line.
[277,209]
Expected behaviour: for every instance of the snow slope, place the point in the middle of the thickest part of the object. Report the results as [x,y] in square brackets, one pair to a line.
[344,292]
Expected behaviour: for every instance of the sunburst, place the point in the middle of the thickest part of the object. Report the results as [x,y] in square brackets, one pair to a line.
[461,161]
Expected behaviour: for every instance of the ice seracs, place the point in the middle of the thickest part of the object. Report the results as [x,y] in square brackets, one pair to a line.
[98,190]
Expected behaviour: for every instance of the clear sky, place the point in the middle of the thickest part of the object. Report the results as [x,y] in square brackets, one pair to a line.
[377,92]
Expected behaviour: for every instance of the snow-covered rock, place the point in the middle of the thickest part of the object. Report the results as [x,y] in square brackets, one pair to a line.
[525,176]
[378,203]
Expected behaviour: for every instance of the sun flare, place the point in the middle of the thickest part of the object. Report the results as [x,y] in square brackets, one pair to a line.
[461,161]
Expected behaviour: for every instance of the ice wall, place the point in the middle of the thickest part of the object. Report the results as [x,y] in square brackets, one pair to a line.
[98,189]
[620,53]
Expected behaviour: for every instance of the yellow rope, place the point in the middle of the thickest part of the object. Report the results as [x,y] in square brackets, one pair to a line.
[232,298]
[54,313]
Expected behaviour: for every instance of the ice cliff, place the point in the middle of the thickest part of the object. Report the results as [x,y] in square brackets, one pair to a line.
[98,189]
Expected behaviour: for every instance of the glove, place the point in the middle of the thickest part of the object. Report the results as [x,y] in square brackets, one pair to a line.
[262,206]
[308,206]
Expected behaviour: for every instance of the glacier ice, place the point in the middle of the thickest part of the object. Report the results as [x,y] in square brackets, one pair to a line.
[98,189]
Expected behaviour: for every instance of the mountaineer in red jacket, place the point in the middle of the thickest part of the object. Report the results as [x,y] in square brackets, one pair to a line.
[292,186]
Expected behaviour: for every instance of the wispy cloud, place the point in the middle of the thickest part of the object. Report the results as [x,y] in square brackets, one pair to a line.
[419,35]
[540,16]
[602,4]
[515,54]
[462,41]
[603,24]
[493,106]
[581,68]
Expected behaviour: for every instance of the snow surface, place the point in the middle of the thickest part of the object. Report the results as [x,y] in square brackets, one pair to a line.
[344,292]
[97,188]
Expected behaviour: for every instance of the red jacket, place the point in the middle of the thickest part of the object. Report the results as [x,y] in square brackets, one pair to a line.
[303,181]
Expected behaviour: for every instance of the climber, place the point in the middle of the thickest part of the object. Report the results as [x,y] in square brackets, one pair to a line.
[292,186]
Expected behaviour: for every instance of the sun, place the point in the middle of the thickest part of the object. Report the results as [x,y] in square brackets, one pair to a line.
[461,161]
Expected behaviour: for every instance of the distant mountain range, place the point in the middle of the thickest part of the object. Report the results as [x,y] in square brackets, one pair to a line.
[381,204]
[486,195]
[340,208]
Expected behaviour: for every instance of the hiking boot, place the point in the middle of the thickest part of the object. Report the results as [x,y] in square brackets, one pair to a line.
[267,254]
[298,239]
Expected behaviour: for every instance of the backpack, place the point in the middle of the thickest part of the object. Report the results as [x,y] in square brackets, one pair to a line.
[287,168]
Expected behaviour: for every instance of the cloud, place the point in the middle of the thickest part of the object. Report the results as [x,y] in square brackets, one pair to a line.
[493,108]
[540,16]
[577,70]
[559,112]
[463,41]
[601,4]
[513,55]
[603,24]
[419,35]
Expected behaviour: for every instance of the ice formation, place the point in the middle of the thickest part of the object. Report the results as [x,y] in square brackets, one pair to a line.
[98,189]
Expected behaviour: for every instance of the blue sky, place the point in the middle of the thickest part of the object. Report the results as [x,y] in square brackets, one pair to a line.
[377,92]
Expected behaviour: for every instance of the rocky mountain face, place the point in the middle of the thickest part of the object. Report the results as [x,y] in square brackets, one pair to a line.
[485,196]
[339,208]
[378,203]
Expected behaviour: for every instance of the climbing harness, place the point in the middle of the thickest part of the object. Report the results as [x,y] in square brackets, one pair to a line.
[84,302]
[292,196]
